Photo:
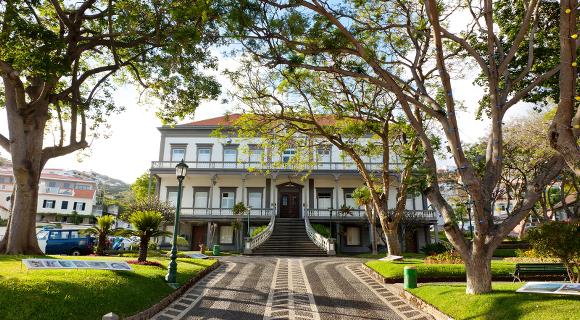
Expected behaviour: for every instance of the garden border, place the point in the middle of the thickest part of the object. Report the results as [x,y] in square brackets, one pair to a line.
[407,296]
[159,306]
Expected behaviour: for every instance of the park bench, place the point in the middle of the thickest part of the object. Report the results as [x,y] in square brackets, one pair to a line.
[539,269]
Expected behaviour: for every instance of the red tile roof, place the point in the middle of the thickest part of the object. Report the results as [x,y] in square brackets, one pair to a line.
[226,120]
[86,194]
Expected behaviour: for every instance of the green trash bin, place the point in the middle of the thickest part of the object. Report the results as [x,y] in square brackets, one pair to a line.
[410,275]
[216,250]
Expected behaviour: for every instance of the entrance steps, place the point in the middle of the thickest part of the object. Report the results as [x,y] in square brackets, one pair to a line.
[289,238]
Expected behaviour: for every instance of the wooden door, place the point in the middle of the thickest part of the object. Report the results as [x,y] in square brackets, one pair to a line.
[289,204]
[198,236]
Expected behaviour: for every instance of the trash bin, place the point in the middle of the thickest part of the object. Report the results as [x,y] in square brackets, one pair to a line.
[410,275]
[216,250]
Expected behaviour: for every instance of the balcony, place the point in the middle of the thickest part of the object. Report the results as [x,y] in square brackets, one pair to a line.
[59,191]
[420,215]
[331,166]
[223,212]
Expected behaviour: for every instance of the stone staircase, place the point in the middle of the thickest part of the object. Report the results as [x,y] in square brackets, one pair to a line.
[289,238]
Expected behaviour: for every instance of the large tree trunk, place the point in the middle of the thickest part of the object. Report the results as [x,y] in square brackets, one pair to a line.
[478,271]
[101,245]
[393,244]
[374,238]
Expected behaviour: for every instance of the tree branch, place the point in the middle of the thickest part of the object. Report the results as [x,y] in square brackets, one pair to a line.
[4,143]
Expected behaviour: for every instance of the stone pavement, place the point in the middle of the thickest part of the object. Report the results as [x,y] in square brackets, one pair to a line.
[290,288]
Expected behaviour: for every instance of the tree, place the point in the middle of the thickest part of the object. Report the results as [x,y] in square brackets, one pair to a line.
[559,240]
[362,197]
[58,60]
[406,48]
[141,189]
[308,111]
[164,208]
[146,224]
[102,230]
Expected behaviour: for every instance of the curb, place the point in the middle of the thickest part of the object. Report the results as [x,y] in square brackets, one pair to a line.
[409,297]
[158,307]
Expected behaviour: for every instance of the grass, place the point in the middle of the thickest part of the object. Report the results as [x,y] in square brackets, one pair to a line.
[380,255]
[502,303]
[85,294]
[394,270]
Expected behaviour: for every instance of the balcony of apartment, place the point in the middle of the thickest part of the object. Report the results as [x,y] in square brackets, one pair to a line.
[58,191]
[248,165]
[425,216]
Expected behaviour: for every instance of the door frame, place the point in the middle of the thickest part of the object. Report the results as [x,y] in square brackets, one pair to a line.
[289,187]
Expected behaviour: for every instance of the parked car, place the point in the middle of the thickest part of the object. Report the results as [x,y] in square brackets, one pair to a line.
[60,241]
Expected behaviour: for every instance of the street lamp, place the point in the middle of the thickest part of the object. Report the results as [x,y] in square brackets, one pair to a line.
[249,211]
[180,173]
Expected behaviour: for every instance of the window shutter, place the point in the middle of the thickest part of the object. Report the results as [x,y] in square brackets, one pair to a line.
[83,206]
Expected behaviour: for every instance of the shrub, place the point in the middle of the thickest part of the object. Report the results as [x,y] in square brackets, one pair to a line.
[558,239]
[182,242]
[447,257]
[3,222]
[153,246]
[434,248]
[258,230]
[322,229]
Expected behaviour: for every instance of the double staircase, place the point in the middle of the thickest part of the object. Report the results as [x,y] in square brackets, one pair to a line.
[289,238]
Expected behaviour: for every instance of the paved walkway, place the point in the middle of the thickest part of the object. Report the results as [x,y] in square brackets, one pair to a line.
[245,288]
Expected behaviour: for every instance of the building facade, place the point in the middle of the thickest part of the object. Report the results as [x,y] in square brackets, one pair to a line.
[226,171]
[62,197]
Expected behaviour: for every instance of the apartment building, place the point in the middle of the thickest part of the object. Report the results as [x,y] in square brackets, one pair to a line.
[220,175]
[62,196]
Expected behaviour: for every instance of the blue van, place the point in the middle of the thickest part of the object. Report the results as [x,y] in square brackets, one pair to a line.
[69,241]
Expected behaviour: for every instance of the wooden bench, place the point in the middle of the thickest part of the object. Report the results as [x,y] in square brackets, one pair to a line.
[539,269]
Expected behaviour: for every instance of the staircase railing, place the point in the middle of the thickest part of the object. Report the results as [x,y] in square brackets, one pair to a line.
[326,244]
[255,241]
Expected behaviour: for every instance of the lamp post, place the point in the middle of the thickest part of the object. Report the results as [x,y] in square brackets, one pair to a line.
[180,172]
[249,211]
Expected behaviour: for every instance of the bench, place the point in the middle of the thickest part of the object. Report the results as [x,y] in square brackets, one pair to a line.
[539,269]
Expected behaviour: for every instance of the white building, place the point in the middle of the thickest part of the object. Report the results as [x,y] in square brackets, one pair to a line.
[61,196]
[226,171]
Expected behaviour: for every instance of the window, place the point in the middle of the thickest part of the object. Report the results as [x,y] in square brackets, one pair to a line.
[324,199]
[5,179]
[200,197]
[353,236]
[230,157]
[226,234]
[83,187]
[52,184]
[204,154]
[255,199]
[177,153]
[64,205]
[43,235]
[288,154]
[55,235]
[324,155]
[172,196]
[49,204]
[255,154]
[74,234]
[348,199]
[66,185]
[79,206]
[228,198]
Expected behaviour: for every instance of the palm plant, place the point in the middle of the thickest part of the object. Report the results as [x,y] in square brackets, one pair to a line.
[146,224]
[362,197]
[102,229]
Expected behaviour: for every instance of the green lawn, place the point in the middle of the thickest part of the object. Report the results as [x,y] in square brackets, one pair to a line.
[85,294]
[502,304]
[394,270]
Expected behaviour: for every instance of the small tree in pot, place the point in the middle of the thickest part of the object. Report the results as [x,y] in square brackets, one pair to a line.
[239,210]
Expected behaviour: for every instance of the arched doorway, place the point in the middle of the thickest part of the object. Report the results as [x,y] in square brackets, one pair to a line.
[289,200]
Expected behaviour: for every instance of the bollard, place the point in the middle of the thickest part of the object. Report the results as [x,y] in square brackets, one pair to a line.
[110,316]
[410,275]
[216,250]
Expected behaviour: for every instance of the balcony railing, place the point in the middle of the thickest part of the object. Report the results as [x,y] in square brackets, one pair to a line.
[224,212]
[57,190]
[424,215]
[373,166]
